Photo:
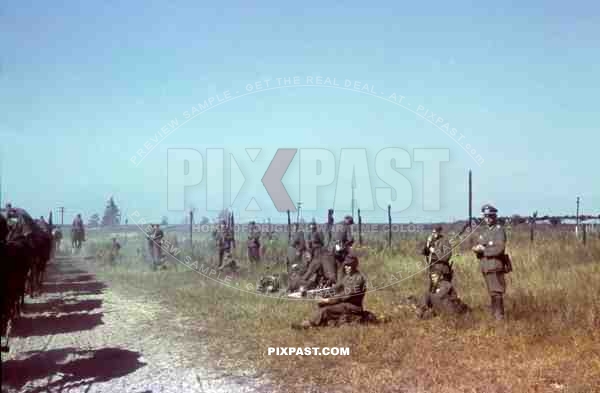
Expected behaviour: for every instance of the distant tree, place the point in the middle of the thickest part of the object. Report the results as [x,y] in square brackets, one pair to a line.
[517,219]
[223,215]
[94,220]
[555,221]
[164,220]
[112,214]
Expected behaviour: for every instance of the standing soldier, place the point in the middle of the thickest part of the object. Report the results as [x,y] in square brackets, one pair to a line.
[148,232]
[490,250]
[315,242]
[343,243]
[329,225]
[296,248]
[224,241]
[77,232]
[439,252]
[253,243]
[157,237]
[57,233]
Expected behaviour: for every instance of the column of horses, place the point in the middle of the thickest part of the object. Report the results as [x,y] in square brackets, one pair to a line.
[23,261]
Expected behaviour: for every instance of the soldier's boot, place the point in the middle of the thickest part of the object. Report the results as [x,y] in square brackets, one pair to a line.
[498,307]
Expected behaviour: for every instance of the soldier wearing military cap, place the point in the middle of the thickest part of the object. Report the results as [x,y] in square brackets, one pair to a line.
[490,250]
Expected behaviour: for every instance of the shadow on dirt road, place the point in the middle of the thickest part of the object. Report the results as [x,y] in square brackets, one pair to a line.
[90,367]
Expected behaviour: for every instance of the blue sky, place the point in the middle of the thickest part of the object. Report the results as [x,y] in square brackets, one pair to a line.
[83,87]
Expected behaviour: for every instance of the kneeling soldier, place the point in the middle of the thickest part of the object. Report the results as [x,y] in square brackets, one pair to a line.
[348,301]
[441,298]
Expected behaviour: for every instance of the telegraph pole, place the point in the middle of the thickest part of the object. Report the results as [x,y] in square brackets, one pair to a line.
[191,225]
[299,215]
[470,199]
[62,215]
[577,220]
[353,198]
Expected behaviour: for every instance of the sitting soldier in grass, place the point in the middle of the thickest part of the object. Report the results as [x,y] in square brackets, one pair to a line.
[295,273]
[441,298]
[347,304]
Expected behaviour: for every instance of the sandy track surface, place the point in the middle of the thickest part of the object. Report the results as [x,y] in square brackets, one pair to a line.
[83,336]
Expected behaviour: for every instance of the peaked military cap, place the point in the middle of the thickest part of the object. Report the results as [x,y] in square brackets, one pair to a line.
[489,210]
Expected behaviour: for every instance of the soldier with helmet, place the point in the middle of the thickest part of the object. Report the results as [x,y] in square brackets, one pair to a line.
[441,298]
[253,243]
[490,250]
[347,304]
[315,242]
[343,243]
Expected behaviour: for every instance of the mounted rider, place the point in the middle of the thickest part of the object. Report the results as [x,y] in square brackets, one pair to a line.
[77,230]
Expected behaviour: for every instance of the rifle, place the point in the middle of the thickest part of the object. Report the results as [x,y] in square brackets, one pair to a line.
[314,293]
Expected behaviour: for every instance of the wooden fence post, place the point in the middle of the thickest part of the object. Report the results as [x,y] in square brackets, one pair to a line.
[359,229]
[289,227]
[191,230]
[532,227]
[389,226]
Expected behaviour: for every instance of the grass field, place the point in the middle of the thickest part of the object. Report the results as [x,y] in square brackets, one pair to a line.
[550,343]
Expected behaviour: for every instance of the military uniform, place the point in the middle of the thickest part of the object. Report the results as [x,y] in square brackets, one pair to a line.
[315,242]
[347,305]
[157,237]
[342,245]
[254,243]
[57,237]
[441,299]
[490,251]
[77,231]
[439,251]
[330,222]
[296,249]
[318,266]
[224,240]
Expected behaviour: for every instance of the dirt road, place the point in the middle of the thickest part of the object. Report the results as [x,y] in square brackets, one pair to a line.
[81,335]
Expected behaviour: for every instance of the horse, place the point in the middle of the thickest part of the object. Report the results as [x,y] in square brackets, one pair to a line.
[77,238]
